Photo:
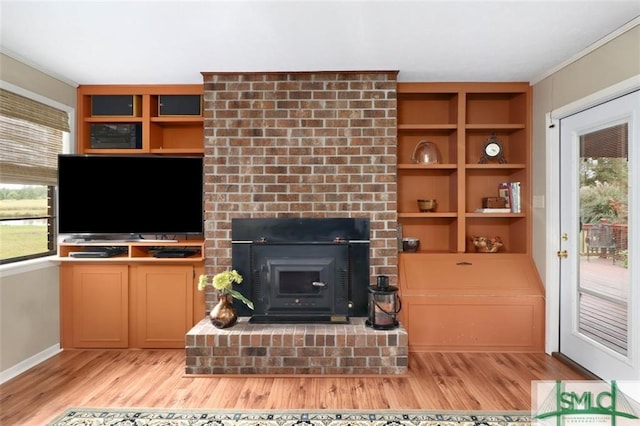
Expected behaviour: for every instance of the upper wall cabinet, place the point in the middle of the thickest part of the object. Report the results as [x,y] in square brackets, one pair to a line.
[159,119]
[461,119]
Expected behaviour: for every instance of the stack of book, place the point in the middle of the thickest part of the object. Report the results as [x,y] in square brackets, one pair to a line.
[510,191]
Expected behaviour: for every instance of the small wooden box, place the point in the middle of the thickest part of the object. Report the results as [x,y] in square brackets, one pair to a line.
[494,202]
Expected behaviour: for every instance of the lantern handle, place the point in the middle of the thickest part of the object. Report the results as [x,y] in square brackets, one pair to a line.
[390,313]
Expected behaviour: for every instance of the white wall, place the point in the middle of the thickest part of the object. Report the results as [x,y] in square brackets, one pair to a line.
[29,294]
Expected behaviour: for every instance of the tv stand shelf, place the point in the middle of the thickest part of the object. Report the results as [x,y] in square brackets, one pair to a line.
[137,251]
[130,300]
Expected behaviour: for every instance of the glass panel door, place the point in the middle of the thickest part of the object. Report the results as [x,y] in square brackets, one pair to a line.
[603,288]
[598,303]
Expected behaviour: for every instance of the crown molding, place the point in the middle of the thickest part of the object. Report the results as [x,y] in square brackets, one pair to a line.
[36,67]
[623,29]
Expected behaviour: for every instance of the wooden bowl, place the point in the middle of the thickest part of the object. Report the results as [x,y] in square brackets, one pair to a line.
[427,205]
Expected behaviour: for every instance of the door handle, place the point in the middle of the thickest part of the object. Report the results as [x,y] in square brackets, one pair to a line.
[562,254]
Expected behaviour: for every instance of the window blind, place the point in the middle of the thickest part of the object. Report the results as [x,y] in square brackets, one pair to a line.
[31,137]
[608,142]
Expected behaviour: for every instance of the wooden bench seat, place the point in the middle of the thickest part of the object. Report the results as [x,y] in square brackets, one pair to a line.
[471,302]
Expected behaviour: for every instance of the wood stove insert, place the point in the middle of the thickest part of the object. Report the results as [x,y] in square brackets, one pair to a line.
[302,270]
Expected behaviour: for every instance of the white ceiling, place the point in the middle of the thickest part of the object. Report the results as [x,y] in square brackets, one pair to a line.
[154,42]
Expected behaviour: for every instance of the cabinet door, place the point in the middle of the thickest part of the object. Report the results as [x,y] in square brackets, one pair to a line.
[100,308]
[162,305]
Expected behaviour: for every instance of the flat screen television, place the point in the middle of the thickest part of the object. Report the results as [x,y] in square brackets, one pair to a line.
[130,195]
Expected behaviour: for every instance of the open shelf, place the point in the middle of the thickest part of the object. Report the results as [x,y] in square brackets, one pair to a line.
[427,108]
[514,144]
[136,251]
[484,108]
[459,118]
[160,134]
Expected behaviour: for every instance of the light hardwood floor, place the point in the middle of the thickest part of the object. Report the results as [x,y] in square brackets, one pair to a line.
[155,378]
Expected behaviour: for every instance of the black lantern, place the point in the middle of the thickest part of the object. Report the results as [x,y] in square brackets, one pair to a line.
[384,305]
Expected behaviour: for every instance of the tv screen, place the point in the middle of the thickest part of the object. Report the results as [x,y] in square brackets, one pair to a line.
[130,195]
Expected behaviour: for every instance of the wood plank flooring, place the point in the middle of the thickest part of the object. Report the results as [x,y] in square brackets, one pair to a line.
[155,378]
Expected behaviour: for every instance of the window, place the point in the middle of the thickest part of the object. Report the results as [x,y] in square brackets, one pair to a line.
[32,134]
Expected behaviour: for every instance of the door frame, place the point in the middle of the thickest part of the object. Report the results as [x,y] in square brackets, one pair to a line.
[552,195]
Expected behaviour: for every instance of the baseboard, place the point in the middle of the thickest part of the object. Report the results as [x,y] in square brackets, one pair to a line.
[28,363]
[577,367]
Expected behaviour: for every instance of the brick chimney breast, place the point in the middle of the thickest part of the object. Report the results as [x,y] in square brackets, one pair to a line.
[300,144]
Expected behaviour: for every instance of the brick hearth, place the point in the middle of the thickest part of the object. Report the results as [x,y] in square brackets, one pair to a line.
[296,349]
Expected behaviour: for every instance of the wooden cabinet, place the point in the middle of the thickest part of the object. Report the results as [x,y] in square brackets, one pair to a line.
[161,304]
[95,306]
[133,300]
[453,297]
[146,119]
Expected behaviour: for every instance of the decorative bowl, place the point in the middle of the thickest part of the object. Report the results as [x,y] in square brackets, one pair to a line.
[487,244]
[410,245]
[427,205]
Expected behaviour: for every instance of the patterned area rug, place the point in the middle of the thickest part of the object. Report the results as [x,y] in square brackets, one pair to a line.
[154,417]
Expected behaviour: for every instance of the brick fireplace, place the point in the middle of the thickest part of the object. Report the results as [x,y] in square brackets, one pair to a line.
[300,145]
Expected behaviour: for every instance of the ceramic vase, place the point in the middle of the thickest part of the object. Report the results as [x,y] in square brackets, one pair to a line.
[223,315]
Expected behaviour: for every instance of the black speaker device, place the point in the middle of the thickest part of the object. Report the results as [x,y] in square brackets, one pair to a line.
[114,105]
[179,105]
